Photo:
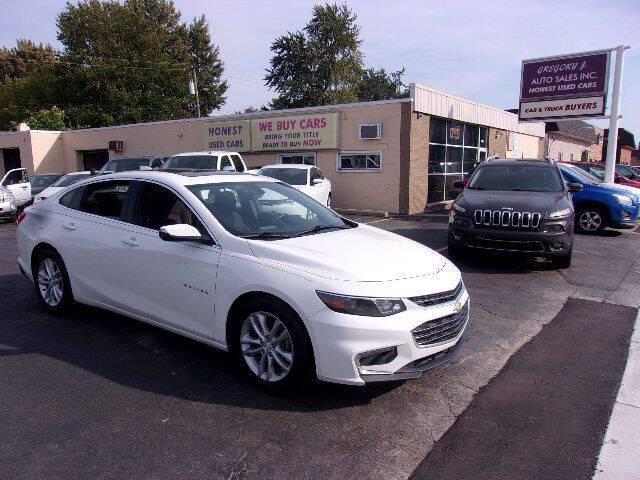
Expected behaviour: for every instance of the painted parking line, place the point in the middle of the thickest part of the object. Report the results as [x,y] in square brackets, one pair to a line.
[378,221]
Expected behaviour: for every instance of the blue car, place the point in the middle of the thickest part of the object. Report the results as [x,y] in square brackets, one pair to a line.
[601,205]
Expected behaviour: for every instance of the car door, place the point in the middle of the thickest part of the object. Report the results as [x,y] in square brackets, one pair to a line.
[17,181]
[321,190]
[172,283]
[89,225]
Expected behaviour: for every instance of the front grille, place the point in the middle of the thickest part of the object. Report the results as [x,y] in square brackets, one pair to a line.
[438,298]
[507,219]
[507,245]
[441,329]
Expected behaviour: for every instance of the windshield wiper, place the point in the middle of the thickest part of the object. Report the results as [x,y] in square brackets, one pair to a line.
[319,228]
[265,236]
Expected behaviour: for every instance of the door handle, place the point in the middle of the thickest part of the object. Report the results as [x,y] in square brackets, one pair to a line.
[24,188]
[132,241]
[70,226]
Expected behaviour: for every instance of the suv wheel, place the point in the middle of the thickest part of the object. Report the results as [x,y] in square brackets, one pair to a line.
[272,345]
[52,282]
[590,220]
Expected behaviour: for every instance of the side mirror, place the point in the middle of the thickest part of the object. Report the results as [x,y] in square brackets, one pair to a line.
[459,184]
[180,232]
[575,187]
[316,181]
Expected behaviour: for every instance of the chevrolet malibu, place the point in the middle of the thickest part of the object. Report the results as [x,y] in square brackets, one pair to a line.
[220,257]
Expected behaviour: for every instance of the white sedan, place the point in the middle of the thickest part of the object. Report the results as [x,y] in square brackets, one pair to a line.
[306,178]
[61,184]
[291,296]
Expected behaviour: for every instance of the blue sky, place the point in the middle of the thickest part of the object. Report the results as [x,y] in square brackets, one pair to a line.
[469,48]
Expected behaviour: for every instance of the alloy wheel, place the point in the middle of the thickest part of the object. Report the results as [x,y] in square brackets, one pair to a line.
[266,346]
[590,221]
[50,282]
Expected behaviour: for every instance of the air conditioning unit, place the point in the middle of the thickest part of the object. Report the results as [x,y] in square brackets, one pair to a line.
[371,131]
[116,145]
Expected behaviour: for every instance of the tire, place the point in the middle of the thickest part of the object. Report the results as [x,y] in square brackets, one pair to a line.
[563,261]
[50,267]
[590,220]
[272,366]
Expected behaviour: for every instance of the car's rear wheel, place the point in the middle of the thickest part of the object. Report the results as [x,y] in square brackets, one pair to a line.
[590,220]
[52,281]
[272,345]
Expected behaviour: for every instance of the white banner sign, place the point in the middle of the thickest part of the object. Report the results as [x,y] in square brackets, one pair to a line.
[565,108]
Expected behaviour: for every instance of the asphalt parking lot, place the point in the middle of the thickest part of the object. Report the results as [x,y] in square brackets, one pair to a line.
[96,395]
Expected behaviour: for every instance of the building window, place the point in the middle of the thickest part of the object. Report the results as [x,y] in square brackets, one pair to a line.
[455,148]
[297,158]
[368,161]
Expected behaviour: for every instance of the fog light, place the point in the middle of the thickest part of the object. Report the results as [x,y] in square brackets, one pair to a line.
[377,357]
[556,245]
[456,238]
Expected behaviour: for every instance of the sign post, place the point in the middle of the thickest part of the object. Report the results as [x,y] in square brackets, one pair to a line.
[616,94]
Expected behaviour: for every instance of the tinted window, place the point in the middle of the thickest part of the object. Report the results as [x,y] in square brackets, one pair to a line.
[70,179]
[237,162]
[43,181]
[15,177]
[292,176]
[67,198]
[532,178]
[198,162]
[158,206]
[105,198]
[316,174]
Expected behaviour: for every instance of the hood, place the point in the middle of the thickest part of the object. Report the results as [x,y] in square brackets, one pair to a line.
[363,254]
[618,186]
[47,192]
[542,202]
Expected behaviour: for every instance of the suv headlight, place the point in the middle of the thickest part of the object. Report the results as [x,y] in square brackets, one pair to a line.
[368,307]
[623,199]
[564,213]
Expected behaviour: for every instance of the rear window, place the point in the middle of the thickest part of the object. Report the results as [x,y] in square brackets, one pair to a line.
[124,165]
[197,162]
[71,179]
[515,178]
[292,176]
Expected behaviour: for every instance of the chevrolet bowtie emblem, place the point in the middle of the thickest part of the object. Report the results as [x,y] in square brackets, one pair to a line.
[458,307]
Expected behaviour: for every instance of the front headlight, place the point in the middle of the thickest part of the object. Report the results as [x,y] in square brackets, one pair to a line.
[623,199]
[564,213]
[365,306]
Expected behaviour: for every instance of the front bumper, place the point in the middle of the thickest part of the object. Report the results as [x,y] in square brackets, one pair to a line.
[340,342]
[552,238]
[7,210]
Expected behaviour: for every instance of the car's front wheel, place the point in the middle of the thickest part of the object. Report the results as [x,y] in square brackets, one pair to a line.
[590,220]
[52,281]
[272,345]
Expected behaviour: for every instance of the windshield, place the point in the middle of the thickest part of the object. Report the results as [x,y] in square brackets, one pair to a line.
[197,162]
[267,210]
[528,178]
[292,176]
[70,179]
[582,175]
[124,164]
[39,181]
[597,172]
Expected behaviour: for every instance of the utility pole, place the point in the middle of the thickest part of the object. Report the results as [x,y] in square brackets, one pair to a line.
[193,89]
[612,140]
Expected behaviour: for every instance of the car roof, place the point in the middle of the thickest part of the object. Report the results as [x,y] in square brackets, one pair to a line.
[213,153]
[522,161]
[298,166]
[185,176]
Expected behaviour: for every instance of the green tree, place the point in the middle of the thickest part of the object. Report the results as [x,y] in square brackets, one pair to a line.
[208,67]
[378,85]
[320,65]
[24,59]
[48,119]
[131,62]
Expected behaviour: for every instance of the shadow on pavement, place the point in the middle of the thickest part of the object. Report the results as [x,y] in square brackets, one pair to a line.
[145,357]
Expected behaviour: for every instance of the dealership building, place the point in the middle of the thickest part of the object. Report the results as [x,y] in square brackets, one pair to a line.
[397,156]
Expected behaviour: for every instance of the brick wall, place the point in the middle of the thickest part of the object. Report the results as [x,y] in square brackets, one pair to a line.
[497,143]
[414,159]
[595,151]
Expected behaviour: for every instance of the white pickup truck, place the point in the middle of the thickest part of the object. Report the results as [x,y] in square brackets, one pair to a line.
[211,160]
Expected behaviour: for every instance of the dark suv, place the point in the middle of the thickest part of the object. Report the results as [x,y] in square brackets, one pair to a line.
[516,206]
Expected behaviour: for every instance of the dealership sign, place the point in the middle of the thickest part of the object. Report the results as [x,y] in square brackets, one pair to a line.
[232,135]
[564,87]
[299,132]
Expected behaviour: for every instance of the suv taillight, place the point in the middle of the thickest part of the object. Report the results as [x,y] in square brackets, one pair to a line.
[21,216]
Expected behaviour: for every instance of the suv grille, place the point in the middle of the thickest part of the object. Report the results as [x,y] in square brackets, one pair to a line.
[441,329]
[507,219]
[438,298]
